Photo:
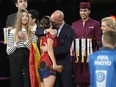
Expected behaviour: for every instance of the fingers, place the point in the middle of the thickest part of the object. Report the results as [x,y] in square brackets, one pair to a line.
[10,28]
[21,35]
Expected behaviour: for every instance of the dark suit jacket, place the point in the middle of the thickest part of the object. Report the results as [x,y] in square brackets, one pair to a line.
[10,20]
[39,32]
[62,52]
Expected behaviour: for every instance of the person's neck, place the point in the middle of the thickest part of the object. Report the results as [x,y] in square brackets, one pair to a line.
[23,26]
[109,46]
[84,20]
[61,24]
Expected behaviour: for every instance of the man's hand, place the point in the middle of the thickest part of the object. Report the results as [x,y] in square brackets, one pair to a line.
[9,28]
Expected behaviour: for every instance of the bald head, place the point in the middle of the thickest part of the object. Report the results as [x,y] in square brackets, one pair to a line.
[57,15]
[57,18]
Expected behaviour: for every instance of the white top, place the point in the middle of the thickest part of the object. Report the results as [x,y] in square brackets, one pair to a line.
[11,47]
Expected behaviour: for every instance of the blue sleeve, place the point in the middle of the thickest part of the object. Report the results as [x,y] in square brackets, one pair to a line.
[39,32]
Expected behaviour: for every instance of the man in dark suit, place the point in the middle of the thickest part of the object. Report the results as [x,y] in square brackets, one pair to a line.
[20,4]
[34,22]
[33,18]
[62,52]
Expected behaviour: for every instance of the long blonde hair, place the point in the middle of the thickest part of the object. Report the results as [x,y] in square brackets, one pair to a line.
[18,23]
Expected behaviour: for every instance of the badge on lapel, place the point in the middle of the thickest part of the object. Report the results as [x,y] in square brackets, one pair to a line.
[91,27]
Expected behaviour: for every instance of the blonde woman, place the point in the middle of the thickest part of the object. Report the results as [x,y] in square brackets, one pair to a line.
[18,46]
[108,23]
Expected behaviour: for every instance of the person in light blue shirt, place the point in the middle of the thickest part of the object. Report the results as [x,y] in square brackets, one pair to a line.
[102,63]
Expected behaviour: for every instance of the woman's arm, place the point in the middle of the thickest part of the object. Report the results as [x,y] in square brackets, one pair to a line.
[51,53]
[11,44]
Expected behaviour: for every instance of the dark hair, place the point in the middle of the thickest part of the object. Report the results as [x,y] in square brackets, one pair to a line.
[44,22]
[34,14]
[15,1]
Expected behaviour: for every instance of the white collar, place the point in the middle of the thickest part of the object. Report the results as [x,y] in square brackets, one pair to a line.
[23,29]
[34,27]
